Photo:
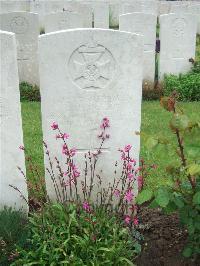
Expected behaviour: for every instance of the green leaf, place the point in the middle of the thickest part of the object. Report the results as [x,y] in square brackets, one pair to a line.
[180,122]
[196,198]
[194,169]
[187,252]
[144,196]
[179,202]
[162,197]
[151,143]
[126,260]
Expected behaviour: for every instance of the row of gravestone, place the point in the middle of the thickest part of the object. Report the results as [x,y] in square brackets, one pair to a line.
[106,9]
[85,75]
[177,36]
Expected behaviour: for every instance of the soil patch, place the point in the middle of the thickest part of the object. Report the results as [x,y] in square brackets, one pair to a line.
[164,240]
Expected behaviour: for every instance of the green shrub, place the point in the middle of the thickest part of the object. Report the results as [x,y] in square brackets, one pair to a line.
[186,85]
[29,93]
[13,231]
[68,235]
[182,192]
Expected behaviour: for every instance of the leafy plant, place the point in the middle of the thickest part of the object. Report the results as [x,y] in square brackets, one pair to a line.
[29,92]
[13,231]
[182,194]
[78,235]
[187,85]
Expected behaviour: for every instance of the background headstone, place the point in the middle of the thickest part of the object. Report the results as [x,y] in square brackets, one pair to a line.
[177,43]
[86,75]
[101,15]
[195,10]
[145,6]
[10,127]
[62,21]
[81,8]
[144,24]
[25,26]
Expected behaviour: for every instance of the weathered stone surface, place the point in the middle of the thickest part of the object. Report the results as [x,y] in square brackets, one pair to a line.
[10,127]
[87,75]
[25,26]
[178,41]
[144,24]
[62,21]
[195,10]
[145,6]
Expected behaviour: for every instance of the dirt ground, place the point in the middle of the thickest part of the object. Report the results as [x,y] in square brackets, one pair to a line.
[163,240]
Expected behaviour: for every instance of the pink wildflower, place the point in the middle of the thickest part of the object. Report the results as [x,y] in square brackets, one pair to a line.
[116,193]
[72,152]
[62,136]
[65,149]
[123,156]
[129,166]
[86,206]
[21,148]
[105,123]
[133,161]
[127,219]
[130,176]
[54,126]
[135,221]
[76,173]
[127,148]
[128,196]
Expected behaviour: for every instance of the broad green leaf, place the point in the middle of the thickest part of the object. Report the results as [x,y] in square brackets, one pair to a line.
[180,122]
[162,197]
[144,196]
[194,169]
[151,142]
[187,252]
[196,198]
[179,202]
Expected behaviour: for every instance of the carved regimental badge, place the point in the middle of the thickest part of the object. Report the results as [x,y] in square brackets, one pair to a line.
[92,66]
[19,25]
[178,26]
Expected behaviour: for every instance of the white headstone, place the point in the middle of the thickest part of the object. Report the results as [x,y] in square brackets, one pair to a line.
[62,21]
[195,10]
[179,8]
[177,43]
[14,5]
[25,26]
[86,75]
[10,127]
[144,24]
[145,6]
[84,9]
[164,7]
[101,15]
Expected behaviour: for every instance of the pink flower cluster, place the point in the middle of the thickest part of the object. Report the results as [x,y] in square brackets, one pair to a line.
[67,151]
[104,124]
[129,195]
[129,162]
[73,171]
[86,206]
[127,220]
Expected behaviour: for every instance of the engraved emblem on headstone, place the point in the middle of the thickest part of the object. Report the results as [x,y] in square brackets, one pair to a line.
[19,25]
[92,66]
[179,25]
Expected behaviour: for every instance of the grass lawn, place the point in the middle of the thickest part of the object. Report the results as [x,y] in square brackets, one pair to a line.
[154,122]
